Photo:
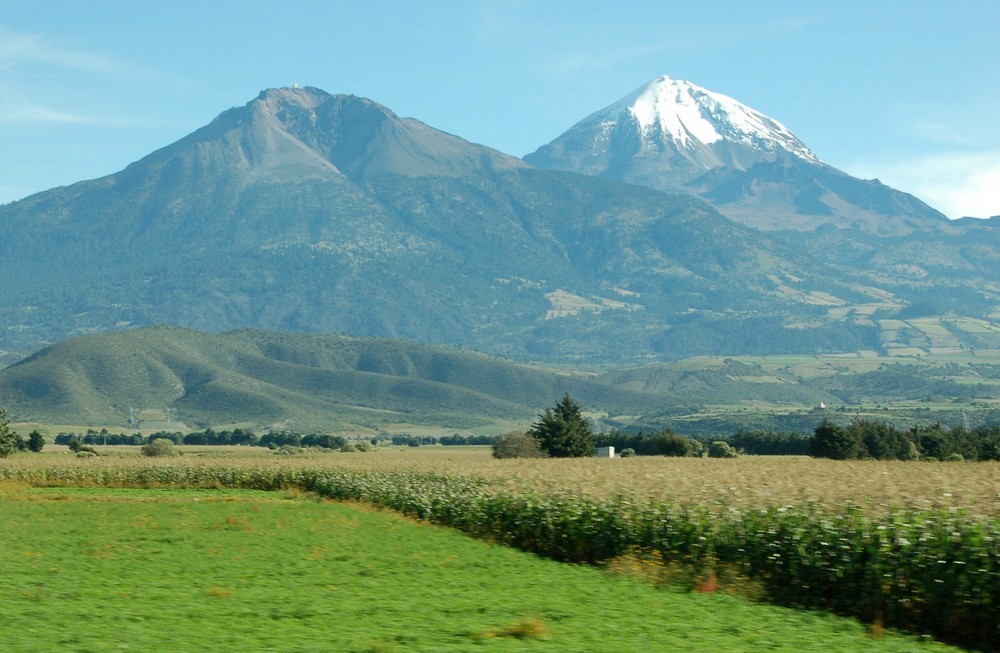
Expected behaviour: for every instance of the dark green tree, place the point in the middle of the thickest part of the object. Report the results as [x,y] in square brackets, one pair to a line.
[721,449]
[323,440]
[881,440]
[160,447]
[243,436]
[8,440]
[563,432]
[36,441]
[667,443]
[760,442]
[832,441]
[517,445]
[989,442]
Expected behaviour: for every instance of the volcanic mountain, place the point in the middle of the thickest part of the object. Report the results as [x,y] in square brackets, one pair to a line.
[311,212]
[673,135]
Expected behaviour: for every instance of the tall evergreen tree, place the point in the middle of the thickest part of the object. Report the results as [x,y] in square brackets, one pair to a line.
[8,439]
[36,441]
[832,441]
[563,432]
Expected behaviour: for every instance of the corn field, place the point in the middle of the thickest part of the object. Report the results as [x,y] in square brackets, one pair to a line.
[930,568]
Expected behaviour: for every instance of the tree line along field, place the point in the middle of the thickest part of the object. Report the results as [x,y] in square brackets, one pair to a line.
[860,439]
[906,544]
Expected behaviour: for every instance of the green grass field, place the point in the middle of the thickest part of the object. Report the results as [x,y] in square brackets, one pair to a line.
[190,570]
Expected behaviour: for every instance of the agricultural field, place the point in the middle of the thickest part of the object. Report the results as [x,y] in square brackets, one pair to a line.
[915,545]
[713,483]
[273,571]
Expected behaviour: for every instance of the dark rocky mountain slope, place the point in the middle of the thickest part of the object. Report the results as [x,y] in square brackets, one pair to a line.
[310,212]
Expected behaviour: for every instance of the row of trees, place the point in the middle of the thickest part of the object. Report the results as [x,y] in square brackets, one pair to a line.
[405,440]
[238,436]
[882,441]
[562,431]
[861,439]
[11,441]
[273,439]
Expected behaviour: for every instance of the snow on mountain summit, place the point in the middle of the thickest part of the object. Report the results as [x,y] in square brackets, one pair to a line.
[674,136]
[688,114]
[668,134]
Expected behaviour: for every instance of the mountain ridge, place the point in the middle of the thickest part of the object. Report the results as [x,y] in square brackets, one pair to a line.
[679,137]
[691,126]
[308,212]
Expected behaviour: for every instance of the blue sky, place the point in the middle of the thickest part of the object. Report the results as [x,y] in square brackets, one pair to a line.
[905,91]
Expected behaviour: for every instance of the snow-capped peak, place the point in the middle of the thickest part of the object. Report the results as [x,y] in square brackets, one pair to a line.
[688,114]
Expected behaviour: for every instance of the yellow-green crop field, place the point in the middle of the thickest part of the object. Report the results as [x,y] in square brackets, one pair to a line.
[714,483]
[904,544]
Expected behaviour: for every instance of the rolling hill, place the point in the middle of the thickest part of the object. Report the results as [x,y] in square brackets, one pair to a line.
[300,381]
[178,379]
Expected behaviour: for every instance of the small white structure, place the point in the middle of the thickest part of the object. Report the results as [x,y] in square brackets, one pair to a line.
[605,452]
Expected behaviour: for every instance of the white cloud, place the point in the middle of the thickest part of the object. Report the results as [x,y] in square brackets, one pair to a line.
[34,88]
[22,50]
[20,109]
[959,184]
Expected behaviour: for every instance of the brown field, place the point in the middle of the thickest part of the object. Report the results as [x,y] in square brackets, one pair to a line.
[746,482]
